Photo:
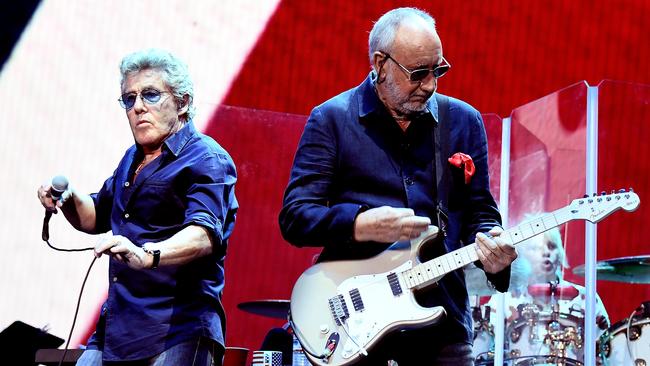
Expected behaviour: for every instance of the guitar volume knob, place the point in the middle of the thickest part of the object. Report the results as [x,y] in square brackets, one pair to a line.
[324,328]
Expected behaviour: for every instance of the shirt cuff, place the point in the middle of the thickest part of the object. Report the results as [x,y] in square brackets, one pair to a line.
[212,224]
[343,223]
[500,280]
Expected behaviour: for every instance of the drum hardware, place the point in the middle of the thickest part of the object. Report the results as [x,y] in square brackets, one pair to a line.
[559,340]
[552,290]
[627,342]
[514,353]
[634,333]
[484,358]
[541,334]
[577,309]
[483,350]
[536,337]
[543,360]
[484,326]
[530,314]
[604,348]
[481,319]
[552,337]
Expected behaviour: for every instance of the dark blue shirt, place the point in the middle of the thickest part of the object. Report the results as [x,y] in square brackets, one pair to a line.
[147,311]
[353,156]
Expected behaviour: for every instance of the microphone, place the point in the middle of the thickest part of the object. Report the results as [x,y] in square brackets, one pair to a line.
[59,185]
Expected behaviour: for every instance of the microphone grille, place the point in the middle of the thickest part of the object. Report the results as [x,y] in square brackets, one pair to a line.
[59,185]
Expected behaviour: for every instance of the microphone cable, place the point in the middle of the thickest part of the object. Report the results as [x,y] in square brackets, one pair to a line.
[46,235]
[76,312]
[67,250]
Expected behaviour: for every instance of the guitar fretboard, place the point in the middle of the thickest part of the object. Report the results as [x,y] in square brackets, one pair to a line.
[440,266]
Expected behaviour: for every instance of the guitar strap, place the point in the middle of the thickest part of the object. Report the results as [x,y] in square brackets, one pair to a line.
[441,141]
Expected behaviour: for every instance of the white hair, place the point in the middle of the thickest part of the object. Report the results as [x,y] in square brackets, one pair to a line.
[383,31]
[553,236]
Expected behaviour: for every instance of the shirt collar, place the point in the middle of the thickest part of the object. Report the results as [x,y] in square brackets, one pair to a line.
[177,141]
[369,101]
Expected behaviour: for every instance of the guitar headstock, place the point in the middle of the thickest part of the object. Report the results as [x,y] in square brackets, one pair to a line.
[596,207]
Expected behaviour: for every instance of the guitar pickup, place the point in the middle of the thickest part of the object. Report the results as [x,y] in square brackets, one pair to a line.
[339,309]
[393,281]
[356,299]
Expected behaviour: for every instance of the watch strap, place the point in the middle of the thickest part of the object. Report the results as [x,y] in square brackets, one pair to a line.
[156,256]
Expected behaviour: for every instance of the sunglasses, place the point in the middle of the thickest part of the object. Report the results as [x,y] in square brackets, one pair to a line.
[421,74]
[148,96]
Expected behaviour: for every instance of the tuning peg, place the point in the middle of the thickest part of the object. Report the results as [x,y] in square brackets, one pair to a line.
[585,196]
[630,190]
[622,190]
[603,193]
[613,191]
[594,194]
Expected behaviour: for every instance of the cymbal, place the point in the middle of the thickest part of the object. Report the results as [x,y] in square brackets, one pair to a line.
[278,309]
[626,269]
[562,292]
[476,282]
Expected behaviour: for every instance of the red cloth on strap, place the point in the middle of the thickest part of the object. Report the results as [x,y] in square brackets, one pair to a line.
[464,162]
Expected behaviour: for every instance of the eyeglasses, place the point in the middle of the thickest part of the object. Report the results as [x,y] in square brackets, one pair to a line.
[148,96]
[421,74]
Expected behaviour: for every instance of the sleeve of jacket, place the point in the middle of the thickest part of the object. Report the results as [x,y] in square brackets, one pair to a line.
[307,218]
[481,213]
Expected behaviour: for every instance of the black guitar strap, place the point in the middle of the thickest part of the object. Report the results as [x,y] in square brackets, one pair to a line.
[441,140]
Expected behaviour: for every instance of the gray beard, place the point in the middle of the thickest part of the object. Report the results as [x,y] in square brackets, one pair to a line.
[404,107]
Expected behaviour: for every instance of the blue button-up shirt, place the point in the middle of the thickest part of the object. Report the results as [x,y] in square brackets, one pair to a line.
[147,311]
[353,156]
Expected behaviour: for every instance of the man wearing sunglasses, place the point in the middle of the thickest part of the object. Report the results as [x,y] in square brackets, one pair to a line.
[372,168]
[170,206]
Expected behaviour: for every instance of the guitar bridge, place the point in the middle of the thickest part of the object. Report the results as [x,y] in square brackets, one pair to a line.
[339,309]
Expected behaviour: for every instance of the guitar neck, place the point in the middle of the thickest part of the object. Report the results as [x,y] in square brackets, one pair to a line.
[440,266]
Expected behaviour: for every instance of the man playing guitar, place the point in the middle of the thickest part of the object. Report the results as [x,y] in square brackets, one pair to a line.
[375,165]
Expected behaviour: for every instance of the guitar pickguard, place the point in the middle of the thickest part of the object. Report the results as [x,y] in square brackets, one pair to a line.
[380,310]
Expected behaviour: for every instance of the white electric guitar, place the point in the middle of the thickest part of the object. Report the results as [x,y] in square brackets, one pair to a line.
[341,309]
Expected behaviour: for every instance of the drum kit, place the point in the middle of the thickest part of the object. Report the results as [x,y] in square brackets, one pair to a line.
[540,332]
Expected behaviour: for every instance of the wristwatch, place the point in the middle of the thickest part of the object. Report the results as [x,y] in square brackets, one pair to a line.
[156,256]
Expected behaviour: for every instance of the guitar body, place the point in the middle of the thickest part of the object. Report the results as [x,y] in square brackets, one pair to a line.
[373,308]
